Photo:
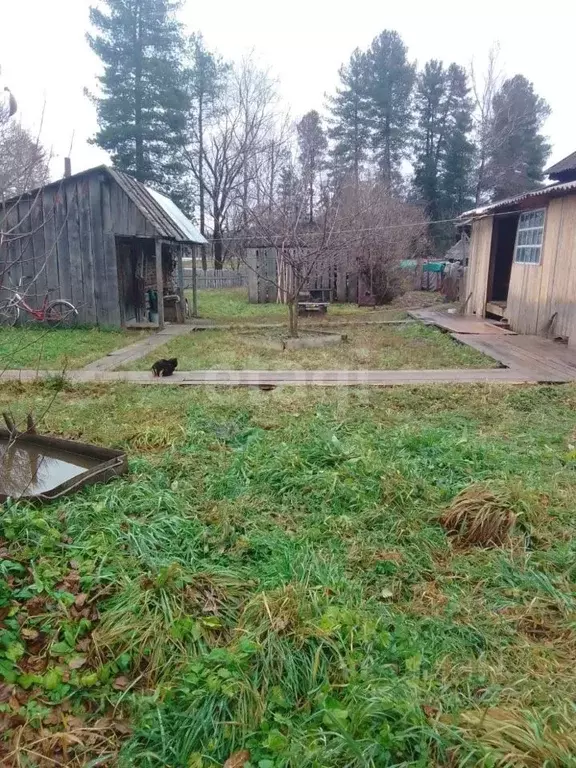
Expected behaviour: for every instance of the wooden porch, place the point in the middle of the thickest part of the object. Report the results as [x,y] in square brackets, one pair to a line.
[542,359]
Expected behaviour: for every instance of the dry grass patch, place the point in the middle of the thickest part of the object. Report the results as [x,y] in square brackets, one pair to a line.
[520,739]
[479,517]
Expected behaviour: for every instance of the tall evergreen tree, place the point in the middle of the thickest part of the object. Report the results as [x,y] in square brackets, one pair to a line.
[443,151]
[350,127]
[518,149]
[390,83]
[142,101]
[312,144]
[457,189]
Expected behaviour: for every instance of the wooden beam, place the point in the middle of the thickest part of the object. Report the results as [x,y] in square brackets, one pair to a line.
[160,284]
[181,268]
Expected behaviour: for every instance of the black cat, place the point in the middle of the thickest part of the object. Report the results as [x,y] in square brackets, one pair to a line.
[165,367]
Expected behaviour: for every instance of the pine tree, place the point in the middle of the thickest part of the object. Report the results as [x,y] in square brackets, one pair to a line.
[350,128]
[518,150]
[457,184]
[443,151]
[142,101]
[312,144]
[390,83]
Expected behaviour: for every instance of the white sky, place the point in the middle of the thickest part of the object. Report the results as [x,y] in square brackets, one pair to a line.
[46,61]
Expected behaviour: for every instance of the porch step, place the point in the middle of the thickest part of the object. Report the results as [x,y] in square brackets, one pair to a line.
[497,308]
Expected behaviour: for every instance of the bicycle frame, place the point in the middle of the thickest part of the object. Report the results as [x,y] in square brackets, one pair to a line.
[22,304]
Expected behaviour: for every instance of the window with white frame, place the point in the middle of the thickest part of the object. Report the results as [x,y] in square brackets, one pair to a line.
[529,237]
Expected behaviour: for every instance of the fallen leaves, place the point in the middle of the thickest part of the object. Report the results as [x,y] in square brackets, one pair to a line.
[80,600]
[77,662]
[238,759]
[121,683]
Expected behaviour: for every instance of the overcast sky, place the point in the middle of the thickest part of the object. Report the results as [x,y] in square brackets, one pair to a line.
[46,61]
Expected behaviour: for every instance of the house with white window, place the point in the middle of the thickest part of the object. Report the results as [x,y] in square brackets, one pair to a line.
[522,258]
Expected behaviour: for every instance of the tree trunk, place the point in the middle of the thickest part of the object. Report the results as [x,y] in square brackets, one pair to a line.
[218,243]
[139,158]
[201,174]
[293,318]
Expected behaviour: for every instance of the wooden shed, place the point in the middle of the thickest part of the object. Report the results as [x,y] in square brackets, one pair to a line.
[266,269]
[522,258]
[102,240]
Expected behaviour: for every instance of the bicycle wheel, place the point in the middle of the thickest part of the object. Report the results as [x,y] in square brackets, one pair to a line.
[62,314]
[9,314]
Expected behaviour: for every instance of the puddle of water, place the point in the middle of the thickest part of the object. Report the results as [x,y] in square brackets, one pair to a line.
[27,470]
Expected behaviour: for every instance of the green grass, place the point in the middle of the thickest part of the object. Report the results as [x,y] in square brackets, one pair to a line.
[412,346]
[58,349]
[272,577]
[230,305]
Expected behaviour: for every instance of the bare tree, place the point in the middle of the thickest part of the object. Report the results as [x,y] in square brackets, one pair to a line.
[387,230]
[233,146]
[361,230]
[23,160]
[301,249]
[484,88]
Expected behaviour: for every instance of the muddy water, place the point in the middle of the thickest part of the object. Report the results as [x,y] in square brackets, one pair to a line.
[26,470]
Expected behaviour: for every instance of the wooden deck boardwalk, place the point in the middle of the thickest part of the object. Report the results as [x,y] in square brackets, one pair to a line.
[374,378]
[459,323]
[526,360]
[534,356]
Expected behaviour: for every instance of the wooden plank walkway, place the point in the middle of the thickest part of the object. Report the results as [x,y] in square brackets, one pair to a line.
[527,359]
[139,349]
[525,353]
[375,378]
[459,323]
[534,356]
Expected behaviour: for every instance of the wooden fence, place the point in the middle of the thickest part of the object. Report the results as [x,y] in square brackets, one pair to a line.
[216,278]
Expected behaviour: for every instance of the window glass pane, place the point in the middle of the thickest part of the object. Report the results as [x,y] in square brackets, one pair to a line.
[529,237]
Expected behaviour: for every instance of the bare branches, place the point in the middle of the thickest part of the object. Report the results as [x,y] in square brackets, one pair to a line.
[227,150]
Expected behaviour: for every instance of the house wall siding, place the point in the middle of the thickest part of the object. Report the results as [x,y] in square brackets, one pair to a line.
[541,297]
[539,291]
[478,266]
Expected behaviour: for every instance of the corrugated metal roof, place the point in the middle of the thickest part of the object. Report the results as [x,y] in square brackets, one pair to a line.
[555,190]
[566,164]
[159,210]
[172,210]
[164,215]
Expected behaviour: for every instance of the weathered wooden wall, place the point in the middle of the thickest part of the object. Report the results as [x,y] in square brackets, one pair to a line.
[478,266]
[264,275]
[61,241]
[538,291]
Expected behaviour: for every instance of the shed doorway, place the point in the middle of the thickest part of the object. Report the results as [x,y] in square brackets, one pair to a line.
[501,259]
[136,274]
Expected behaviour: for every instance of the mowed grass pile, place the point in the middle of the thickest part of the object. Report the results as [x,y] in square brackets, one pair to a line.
[230,306]
[44,348]
[273,584]
[389,347]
